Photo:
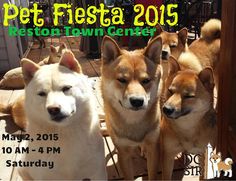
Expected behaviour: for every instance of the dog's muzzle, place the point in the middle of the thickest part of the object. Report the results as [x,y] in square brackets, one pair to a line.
[56,114]
[136,102]
[164,55]
[170,112]
[167,110]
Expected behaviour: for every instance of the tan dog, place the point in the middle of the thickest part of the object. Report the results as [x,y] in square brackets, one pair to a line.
[17,111]
[173,44]
[189,120]
[130,90]
[204,51]
[218,165]
[16,108]
[13,79]
[55,55]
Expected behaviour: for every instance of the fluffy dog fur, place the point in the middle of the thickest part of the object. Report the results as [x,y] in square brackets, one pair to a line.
[58,100]
[204,51]
[130,90]
[189,119]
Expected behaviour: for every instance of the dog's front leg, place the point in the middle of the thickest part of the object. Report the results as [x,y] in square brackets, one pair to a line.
[125,162]
[168,165]
[152,160]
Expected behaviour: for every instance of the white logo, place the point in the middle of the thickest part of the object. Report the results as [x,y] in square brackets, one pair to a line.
[218,165]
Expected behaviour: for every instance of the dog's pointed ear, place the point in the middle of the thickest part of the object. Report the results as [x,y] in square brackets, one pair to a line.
[53,49]
[62,47]
[207,78]
[173,66]
[183,35]
[219,154]
[110,50]
[28,69]
[212,153]
[153,50]
[69,61]
[159,30]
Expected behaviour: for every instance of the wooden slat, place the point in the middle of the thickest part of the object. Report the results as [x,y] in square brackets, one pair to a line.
[227,84]
[2,41]
[96,64]
[111,159]
[73,43]
[232,146]
[4,65]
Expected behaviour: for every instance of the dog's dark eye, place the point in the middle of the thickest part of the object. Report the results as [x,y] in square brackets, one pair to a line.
[122,80]
[66,88]
[146,81]
[42,94]
[189,96]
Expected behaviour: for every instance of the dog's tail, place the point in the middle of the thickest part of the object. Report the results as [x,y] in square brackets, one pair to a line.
[228,161]
[6,109]
[211,30]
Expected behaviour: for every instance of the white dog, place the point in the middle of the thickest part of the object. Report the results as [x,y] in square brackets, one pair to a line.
[62,122]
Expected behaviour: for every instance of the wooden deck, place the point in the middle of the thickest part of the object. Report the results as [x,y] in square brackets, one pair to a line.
[92,69]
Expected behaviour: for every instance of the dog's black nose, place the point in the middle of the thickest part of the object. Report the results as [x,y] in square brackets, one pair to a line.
[167,110]
[54,110]
[136,102]
[164,55]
